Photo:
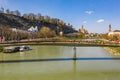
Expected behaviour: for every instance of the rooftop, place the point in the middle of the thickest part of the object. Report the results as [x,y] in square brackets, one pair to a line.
[116,31]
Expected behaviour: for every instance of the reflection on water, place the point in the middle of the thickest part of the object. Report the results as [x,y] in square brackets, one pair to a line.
[92,63]
[74,66]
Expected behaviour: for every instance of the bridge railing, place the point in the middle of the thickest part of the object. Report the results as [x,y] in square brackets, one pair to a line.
[75,42]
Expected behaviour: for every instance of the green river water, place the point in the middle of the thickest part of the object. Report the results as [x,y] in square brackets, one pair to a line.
[60,70]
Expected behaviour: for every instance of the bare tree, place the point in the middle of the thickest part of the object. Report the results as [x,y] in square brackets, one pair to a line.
[46,32]
[1,10]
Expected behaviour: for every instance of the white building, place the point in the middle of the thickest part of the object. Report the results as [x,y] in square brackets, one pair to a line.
[33,29]
[18,30]
[115,32]
[112,33]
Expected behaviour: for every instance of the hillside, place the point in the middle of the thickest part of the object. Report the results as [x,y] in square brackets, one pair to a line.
[22,23]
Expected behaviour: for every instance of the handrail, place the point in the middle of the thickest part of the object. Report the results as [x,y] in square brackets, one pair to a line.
[57,59]
[63,42]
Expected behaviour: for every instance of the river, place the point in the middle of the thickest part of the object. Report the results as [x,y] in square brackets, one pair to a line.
[62,69]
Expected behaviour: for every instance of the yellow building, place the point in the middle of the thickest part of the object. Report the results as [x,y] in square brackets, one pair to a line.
[83,30]
[61,33]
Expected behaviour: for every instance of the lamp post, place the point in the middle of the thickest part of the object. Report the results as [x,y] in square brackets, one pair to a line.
[0,41]
[74,56]
[0,34]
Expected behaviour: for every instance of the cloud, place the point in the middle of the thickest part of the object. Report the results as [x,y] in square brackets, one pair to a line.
[89,12]
[84,22]
[100,20]
[3,3]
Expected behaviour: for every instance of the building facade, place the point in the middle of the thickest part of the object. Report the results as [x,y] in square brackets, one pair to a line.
[83,30]
[114,32]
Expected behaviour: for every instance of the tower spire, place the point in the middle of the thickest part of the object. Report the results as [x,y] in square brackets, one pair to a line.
[109,29]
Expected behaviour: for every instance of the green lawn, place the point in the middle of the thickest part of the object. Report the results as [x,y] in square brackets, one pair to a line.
[117,49]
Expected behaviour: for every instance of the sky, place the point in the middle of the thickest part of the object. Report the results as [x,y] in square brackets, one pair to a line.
[94,15]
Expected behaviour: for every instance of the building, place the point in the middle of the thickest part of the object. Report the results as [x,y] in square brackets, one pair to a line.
[83,30]
[118,40]
[109,29]
[33,29]
[2,38]
[114,32]
[61,33]
[18,30]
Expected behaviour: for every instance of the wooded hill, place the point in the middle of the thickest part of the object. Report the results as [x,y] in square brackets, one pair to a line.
[24,22]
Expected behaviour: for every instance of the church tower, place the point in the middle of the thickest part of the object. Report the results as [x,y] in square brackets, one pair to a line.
[82,29]
[109,29]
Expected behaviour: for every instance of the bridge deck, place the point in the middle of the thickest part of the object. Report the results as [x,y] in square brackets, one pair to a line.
[61,43]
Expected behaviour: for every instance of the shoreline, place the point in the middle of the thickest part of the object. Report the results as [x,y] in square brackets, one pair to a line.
[112,51]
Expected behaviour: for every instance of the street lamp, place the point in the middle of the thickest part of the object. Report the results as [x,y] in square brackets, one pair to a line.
[74,51]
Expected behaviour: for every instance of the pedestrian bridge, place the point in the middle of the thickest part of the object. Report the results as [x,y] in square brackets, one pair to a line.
[56,59]
[61,43]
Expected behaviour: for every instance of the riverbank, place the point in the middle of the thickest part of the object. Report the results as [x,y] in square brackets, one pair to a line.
[113,50]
